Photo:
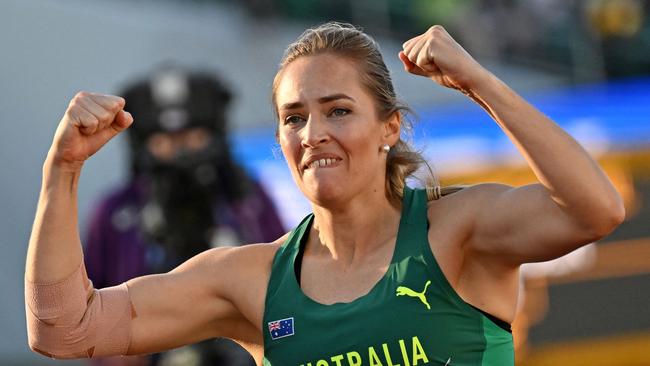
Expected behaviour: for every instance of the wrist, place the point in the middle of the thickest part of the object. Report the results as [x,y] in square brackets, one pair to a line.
[56,164]
[483,83]
[58,174]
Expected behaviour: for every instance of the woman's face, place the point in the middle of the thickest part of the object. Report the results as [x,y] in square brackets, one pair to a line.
[329,131]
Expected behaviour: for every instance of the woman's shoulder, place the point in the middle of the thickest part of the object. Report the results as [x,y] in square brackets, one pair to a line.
[237,274]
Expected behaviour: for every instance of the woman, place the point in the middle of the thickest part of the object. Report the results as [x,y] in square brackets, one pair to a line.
[379,273]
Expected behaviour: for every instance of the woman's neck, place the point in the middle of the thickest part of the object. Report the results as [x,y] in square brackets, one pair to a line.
[351,231]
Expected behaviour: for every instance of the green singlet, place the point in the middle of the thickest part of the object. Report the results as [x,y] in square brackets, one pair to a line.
[412,316]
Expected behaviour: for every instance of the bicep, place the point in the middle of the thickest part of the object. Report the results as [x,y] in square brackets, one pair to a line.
[180,307]
[523,224]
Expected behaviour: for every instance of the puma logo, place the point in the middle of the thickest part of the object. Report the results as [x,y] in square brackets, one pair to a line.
[403,290]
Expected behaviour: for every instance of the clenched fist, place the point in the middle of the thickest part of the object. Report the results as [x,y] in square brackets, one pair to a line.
[436,55]
[90,121]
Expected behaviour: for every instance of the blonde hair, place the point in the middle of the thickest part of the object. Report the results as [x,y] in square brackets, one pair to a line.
[348,41]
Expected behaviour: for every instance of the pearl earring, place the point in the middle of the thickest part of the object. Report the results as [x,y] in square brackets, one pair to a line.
[386,148]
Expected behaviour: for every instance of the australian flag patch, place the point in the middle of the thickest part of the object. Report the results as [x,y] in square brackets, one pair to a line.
[281,328]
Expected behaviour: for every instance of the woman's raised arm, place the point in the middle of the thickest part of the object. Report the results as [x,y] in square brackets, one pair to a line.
[575,202]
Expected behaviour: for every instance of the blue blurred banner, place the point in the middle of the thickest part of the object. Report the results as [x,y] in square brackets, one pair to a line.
[619,110]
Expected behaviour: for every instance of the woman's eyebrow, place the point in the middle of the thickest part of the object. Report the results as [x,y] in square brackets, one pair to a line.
[333,97]
[321,100]
[294,105]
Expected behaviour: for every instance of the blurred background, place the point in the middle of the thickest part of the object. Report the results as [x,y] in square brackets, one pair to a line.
[585,63]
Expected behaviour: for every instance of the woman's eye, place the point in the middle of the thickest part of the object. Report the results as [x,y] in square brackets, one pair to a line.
[292,119]
[340,112]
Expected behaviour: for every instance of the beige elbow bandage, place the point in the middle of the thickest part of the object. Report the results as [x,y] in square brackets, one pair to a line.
[71,319]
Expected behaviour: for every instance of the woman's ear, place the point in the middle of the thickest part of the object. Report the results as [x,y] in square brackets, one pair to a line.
[392,128]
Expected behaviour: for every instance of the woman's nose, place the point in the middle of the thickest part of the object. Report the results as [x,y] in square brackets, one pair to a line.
[315,132]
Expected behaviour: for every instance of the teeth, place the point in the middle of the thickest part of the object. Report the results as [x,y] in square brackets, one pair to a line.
[321,163]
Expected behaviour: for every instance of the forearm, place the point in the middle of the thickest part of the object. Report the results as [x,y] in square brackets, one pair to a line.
[574,180]
[55,248]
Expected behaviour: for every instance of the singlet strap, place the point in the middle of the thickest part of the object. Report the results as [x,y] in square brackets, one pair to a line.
[297,263]
[414,205]
[286,254]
